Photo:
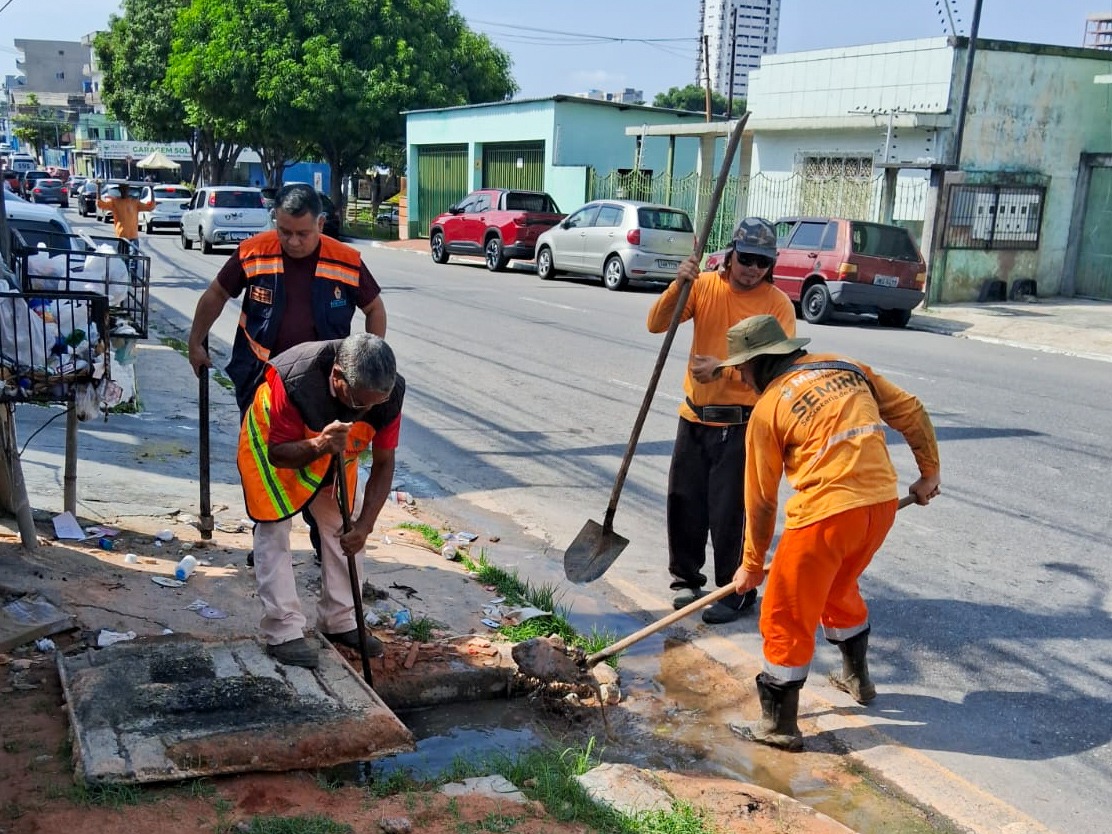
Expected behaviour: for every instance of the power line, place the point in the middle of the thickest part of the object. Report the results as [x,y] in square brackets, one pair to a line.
[590,37]
[6,5]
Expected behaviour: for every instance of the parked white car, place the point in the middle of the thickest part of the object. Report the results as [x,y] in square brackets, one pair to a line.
[223,215]
[170,203]
[620,240]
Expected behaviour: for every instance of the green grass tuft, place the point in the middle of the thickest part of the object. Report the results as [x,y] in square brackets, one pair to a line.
[420,630]
[429,533]
[107,795]
[312,824]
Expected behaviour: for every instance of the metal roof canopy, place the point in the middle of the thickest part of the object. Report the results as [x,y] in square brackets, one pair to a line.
[176,707]
[710,129]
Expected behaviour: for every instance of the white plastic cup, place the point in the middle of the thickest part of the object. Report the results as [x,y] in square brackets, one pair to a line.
[185,567]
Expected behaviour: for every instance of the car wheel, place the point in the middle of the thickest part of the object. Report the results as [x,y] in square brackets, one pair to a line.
[894,318]
[545,269]
[186,243]
[206,247]
[816,303]
[495,258]
[438,249]
[614,274]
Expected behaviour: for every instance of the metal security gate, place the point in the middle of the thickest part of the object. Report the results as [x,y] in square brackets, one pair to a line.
[1093,278]
[441,181]
[514,165]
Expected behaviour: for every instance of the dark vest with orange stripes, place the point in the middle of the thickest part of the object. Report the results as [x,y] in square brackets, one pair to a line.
[334,293]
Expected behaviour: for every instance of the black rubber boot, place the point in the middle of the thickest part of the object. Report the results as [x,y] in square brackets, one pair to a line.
[779,712]
[855,668]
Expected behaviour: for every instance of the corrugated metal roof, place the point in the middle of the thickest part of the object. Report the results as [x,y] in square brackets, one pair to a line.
[576,99]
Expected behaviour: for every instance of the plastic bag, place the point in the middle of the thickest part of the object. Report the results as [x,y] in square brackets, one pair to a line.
[50,270]
[24,343]
[106,272]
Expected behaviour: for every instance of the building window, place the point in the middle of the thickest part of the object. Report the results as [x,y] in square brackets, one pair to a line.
[994,217]
[61,76]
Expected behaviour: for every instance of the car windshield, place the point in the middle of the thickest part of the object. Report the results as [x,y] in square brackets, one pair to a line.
[877,241]
[667,220]
[524,201]
[237,199]
[51,233]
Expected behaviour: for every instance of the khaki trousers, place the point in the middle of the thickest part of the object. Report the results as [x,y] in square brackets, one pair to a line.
[282,618]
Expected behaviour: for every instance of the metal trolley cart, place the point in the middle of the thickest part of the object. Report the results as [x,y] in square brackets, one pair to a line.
[62,306]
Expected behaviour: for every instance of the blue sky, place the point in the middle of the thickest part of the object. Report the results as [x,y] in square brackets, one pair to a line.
[545,64]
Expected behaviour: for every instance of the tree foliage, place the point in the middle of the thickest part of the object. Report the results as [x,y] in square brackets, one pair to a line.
[331,76]
[39,126]
[694,98]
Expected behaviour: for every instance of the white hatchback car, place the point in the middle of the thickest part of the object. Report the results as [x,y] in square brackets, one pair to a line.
[621,240]
[223,215]
[170,203]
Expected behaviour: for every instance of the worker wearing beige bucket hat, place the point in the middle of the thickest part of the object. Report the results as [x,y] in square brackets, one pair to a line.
[820,420]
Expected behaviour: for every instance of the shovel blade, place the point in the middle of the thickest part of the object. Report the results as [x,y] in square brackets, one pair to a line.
[593,551]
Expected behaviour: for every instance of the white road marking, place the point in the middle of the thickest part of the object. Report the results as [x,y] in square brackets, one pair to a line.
[635,387]
[550,304]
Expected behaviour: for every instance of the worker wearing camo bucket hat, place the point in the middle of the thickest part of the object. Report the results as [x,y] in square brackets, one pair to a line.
[820,420]
[708,458]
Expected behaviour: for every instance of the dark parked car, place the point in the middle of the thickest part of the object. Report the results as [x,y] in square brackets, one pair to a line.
[86,198]
[29,180]
[50,191]
[831,264]
[331,213]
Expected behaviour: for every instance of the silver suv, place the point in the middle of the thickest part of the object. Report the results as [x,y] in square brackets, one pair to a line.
[621,240]
[223,215]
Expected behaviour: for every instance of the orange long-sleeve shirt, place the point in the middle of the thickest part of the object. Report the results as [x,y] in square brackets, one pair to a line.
[716,307]
[125,214]
[824,429]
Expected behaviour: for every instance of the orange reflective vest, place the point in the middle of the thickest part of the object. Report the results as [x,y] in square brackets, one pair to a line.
[275,493]
[334,293]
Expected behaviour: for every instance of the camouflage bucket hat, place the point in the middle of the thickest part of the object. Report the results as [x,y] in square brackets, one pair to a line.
[755,236]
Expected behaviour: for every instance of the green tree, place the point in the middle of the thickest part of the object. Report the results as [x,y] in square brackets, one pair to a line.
[333,75]
[694,98]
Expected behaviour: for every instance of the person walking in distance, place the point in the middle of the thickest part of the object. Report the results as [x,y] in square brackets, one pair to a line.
[705,481]
[298,285]
[820,420]
[125,215]
[317,401]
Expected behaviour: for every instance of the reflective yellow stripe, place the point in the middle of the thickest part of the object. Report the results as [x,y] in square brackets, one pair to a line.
[280,500]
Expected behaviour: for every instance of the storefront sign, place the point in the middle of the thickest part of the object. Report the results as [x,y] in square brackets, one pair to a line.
[110,149]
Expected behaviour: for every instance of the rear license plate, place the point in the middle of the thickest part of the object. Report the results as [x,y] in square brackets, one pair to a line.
[667,264]
[886,281]
[239,236]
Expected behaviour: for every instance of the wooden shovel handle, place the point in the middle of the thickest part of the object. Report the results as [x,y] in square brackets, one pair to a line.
[687,610]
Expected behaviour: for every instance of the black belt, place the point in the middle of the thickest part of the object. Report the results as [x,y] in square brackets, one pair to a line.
[731,414]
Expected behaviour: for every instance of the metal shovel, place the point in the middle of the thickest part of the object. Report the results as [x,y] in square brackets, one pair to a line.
[597,546]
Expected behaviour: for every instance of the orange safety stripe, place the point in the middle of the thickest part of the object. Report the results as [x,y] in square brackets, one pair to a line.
[262,353]
[334,272]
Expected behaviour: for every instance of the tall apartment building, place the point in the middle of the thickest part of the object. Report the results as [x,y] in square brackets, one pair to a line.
[52,66]
[1098,31]
[756,32]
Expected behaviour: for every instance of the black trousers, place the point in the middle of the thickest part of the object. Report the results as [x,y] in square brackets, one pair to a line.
[706,495]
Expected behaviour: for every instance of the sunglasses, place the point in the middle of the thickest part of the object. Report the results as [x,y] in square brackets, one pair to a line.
[746,259]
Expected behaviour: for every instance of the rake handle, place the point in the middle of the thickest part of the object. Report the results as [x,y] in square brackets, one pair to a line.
[673,326]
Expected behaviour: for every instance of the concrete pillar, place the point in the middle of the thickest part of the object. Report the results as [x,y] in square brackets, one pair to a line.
[888,195]
[704,166]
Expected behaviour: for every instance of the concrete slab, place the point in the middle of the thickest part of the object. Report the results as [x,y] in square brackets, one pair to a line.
[26,617]
[177,707]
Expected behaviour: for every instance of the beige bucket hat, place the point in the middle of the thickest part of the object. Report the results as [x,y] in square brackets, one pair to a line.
[756,336]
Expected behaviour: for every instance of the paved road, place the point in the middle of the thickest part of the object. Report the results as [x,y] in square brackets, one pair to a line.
[993,643]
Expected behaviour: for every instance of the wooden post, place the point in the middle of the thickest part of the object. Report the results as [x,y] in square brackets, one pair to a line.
[706,69]
[13,490]
[69,481]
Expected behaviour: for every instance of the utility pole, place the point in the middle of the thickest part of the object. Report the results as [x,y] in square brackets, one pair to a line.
[959,131]
[733,65]
[706,70]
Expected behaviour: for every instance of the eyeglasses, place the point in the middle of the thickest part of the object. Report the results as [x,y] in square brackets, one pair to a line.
[378,398]
[747,259]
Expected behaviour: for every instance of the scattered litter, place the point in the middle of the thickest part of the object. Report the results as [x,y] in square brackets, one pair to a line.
[450,552]
[185,518]
[131,559]
[66,527]
[496,538]
[516,616]
[210,613]
[387,540]
[490,587]
[398,496]
[157,543]
[105,543]
[164,535]
[187,546]
[185,567]
[204,562]
[107,638]
[28,618]
[491,624]
[497,601]
[167,581]
[371,618]
[466,537]
[196,605]
[410,593]
[225,527]
[97,530]
[167,631]
[402,618]
[45,644]
[492,612]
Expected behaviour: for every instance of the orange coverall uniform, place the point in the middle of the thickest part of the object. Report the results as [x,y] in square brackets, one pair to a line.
[708,460]
[824,429]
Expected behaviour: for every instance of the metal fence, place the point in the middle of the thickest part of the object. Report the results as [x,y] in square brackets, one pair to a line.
[767,195]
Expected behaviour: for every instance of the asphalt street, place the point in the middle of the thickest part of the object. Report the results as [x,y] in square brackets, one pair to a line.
[992,638]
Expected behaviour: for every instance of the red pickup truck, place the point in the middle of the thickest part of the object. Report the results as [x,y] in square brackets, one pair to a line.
[496,223]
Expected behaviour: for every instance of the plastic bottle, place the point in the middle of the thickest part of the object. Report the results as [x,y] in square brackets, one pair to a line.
[185,567]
